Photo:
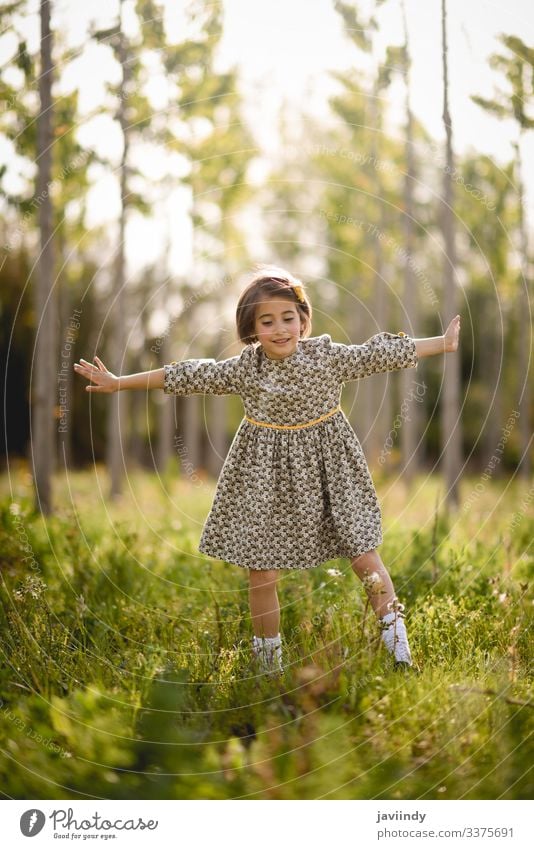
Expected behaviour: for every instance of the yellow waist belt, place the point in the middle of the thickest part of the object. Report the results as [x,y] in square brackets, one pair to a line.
[297,426]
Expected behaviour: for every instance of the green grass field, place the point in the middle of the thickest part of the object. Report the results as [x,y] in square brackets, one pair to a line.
[126,664]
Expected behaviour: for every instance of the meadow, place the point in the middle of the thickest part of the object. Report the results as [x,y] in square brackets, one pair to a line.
[126,668]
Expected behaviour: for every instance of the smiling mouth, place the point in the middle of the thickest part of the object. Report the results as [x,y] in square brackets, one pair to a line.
[280,341]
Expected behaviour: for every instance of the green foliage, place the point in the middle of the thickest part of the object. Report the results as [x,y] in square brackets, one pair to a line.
[127,672]
[517,66]
[355,27]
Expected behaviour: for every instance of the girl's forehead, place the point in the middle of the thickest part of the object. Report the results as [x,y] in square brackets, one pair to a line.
[274,304]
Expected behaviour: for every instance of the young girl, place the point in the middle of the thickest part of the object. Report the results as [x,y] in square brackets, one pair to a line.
[295,489]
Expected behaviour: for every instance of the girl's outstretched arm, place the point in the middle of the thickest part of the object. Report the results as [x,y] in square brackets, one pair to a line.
[106,381]
[445,344]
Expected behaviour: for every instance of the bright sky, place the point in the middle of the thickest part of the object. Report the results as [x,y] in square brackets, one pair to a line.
[285,49]
[288,46]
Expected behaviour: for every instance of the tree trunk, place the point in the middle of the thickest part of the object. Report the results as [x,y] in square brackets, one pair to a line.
[216,425]
[491,355]
[376,396]
[450,406]
[137,412]
[45,386]
[218,445]
[67,372]
[191,453]
[525,330]
[350,307]
[166,416]
[117,409]
[411,425]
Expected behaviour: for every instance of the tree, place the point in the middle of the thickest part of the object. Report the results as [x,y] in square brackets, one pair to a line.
[518,69]
[205,127]
[451,435]
[43,389]
[44,133]
[44,384]
[133,113]
[363,111]
[369,123]
[488,213]
[412,425]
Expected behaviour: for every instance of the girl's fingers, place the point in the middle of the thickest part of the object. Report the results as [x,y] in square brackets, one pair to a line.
[91,365]
[98,373]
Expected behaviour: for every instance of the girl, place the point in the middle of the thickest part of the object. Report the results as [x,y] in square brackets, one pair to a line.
[295,489]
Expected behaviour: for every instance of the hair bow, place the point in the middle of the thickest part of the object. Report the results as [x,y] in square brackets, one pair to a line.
[299,292]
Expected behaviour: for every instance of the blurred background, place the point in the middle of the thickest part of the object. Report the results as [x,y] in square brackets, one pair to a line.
[152,152]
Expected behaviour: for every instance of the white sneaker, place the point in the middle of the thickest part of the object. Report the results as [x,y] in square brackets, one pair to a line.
[394,635]
[268,653]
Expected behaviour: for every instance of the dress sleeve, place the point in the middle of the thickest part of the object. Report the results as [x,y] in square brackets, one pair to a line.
[382,352]
[208,376]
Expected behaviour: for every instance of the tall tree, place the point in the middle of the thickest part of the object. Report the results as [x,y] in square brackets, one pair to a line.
[373,401]
[451,434]
[118,338]
[412,425]
[490,220]
[219,182]
[377,400]
[516,103]
[133,112]
[207,129]
[19,124]
[53,198]
[73,242]
[44,384]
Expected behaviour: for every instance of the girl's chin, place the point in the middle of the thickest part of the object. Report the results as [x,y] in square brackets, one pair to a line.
[281,350]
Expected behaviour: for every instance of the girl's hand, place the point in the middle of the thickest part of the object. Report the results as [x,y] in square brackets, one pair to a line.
[451,335]
[99,374]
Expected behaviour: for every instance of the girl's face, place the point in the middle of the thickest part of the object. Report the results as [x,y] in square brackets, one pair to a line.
[278,326]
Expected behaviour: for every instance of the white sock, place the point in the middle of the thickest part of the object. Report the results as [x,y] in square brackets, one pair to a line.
[268,650]
[394,636]
[388,617]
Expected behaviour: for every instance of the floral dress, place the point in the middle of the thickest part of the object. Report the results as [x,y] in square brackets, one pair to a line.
[295,489]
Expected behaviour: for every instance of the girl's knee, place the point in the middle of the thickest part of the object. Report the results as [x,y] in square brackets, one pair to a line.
[263,577]
[364,561]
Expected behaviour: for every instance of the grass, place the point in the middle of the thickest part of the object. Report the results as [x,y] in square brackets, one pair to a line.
[126,661]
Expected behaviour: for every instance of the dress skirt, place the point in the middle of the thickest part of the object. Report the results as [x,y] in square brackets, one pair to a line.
[293,499]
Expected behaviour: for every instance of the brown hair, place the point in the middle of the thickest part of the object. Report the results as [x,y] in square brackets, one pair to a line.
[269,281]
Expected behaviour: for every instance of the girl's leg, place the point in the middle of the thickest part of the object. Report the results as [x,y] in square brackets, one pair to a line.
[265,615]
[379,587]
[264,604]
[364,566]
